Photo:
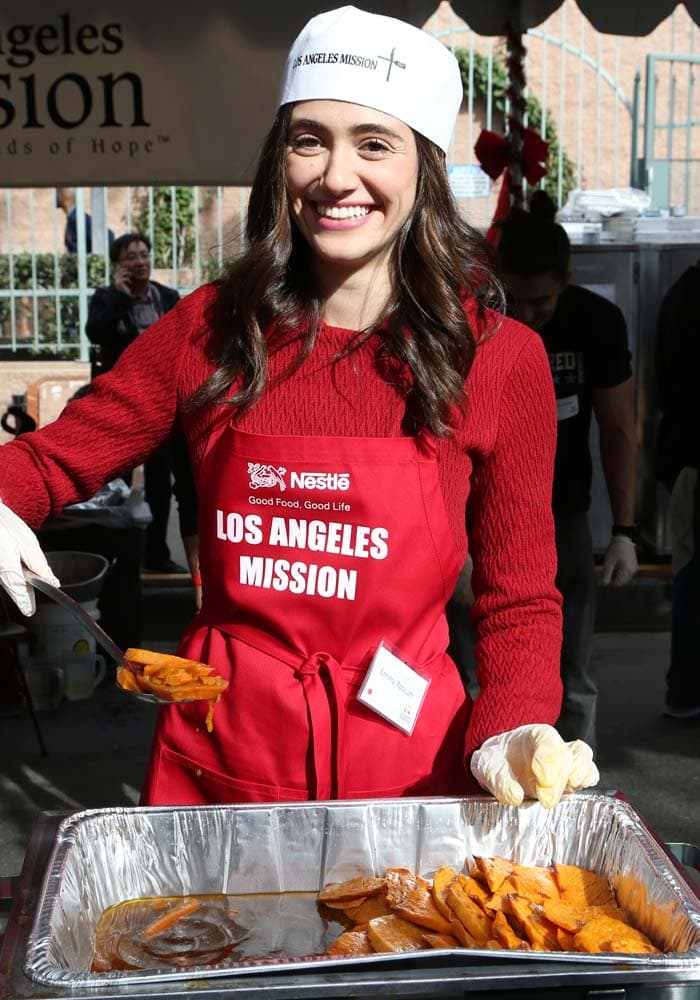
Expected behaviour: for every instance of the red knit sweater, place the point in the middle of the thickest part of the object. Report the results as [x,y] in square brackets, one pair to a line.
[507,434]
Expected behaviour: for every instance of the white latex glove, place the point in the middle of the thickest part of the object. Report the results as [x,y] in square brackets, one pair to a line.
[19,549]
[463,593]
[620,561]
[533,762]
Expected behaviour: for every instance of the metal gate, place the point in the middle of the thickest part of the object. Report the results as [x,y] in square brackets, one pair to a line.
[670,167]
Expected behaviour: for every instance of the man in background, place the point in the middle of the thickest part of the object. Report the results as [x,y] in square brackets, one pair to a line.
[65,200]
[117,315]
[585,337]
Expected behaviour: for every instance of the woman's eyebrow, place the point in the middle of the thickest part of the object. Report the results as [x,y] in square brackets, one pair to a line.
[356,130]
[306,123]
[376,127]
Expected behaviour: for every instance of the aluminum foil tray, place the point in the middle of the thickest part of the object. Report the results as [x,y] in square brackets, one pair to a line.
[103,857]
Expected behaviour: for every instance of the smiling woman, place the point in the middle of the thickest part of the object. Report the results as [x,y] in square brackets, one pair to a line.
[347,365]
[352,186]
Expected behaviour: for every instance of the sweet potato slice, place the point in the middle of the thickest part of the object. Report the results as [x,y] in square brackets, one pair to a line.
[582,887]
[495,902]
[393,933]
[565,939]
[188,668]
[505,934]
[534,883]
[441,941]
[351,943]
[572,918]
[463,935]
[151,663]
[126,679]
[632,946]
[368,909]
[418,907]
[399,882]
[346,905]
[607,910]
[186,691]
[442,880]
[469,913]
[604,933]
[541,934]
[172,916]
[475,890]
[569,918]
[492,871]
[354,888]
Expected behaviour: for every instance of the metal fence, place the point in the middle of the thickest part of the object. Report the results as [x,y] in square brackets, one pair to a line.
[669,168]
[583,97]
[45,284]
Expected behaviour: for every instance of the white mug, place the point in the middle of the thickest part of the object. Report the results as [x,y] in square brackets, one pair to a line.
[82,674]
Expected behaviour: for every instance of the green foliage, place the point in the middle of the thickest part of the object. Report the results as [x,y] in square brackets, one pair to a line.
[173,225]
[52,270]
[36,316]
[499,83]
[212,270]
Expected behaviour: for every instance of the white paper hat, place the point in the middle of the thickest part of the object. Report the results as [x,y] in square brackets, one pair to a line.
[380,62]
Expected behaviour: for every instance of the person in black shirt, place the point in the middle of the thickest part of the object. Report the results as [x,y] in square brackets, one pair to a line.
[586,339]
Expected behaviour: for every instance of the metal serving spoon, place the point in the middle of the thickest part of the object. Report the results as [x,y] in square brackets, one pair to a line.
[99,634]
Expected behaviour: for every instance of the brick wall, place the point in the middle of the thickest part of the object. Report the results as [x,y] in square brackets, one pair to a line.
[47,384]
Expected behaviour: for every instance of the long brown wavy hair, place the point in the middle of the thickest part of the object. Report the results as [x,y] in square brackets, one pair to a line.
[267,295]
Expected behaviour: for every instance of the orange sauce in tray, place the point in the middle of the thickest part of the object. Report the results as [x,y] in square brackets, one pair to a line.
[188,932]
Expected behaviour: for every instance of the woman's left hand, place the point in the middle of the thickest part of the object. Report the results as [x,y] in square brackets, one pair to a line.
[533,762]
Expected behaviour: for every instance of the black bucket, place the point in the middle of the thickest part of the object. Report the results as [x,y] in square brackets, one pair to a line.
[81,574]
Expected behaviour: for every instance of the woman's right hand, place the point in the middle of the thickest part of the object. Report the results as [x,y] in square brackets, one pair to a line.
[20,550]
[533,762]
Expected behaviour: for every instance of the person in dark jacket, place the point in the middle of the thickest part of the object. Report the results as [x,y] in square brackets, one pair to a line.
[65,199]
[117,314]
[677,465]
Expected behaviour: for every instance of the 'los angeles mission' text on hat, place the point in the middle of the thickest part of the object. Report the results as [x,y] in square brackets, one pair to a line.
[380,62]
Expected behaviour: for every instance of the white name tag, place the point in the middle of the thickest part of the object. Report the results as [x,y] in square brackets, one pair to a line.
[567,407]
[393,690]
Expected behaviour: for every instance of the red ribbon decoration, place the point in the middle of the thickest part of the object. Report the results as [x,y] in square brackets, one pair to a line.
[494,154]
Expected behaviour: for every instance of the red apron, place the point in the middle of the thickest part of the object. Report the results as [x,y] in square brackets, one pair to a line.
[313,550]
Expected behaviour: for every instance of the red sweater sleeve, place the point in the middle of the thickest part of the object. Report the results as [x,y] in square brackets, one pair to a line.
[517,613]
[128,412]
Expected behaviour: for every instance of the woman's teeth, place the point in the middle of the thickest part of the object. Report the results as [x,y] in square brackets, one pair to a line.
[344,212]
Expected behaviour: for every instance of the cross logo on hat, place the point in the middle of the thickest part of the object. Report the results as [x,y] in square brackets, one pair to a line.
[392,62]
